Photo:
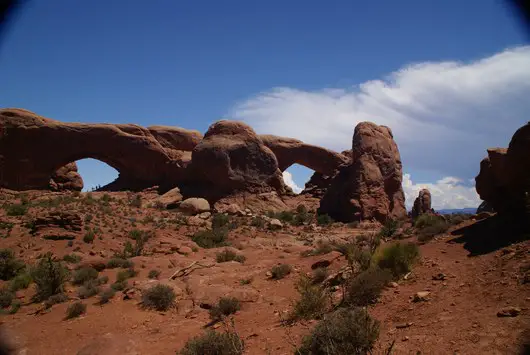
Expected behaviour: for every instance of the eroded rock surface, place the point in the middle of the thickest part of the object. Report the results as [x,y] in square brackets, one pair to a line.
[66,178]
[422,203]
[369,187]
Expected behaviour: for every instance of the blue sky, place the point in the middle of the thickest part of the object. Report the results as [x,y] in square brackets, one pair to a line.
[190,63]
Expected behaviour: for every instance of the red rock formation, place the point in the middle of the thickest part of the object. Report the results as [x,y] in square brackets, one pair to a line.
[289,151]
[232,158]
[369,187]
[422,203]
[504,177]
[318,182]
[66,178]
[32,148]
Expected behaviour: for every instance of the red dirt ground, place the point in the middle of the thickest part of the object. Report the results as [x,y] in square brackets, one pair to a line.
[459,317]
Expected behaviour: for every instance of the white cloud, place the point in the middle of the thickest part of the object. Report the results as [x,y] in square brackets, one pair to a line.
[288,179]
[448,192]
[443,114]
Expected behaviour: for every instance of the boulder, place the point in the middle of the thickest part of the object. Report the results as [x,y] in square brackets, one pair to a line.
[232,158]
[171,199]
[194,205]
[370,186]
[484,207]
[504,177]
[422,203]
[69,221]
[275,224]
[66,178]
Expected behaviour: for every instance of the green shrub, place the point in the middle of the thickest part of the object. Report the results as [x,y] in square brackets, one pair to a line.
[103,280]
[302,216]
[258,222]
[84,274]
[312,303]
[321,249]
[140,238]
[154,274]
[211,238]
[6,297]
[119,263]
[398,258]
[225,307]
[159,297]
[347,331]
[324,220]
[365,288]
[354,254]
[214,343]
[119,285]
[49,276]
[320,275]
[247,281]
[75,310]
[126,274]
[229,255]
[106,295]
[72,258]
[55,299]
[389,228]
[280,271]
[9,264]
[19,209]
[21,281]
[136,201]
[88,289]
[220,220]
[89,237]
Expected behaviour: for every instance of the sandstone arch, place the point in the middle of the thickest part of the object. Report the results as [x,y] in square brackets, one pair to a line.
[289,151]
[32,148]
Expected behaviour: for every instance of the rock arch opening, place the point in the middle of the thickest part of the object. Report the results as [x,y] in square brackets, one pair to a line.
[95,173]
[296,176]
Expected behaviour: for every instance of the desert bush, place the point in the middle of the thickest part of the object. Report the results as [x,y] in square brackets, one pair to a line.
[354,254]
[49,276]
[246,281]
[220,220]
[84,274]
[428,226]
[153,274]
[312,303]
[398,258]
[389,228]
[365,288]
[117,262]
[225,307]
[324,220]
[55,299]
[18,209]
[103,280]
[89,236]
[106,295]
[258,222]
[136,201]
[72,258]
[280,271]
[21,281]
[159,297]
[119,285]
[9,264]
[126,274]
[319,275]
[322,247]
[75,310]
[140,238]
[229,255]
[6,297]
[285,216]
[211,238]
[88,289]
[347,331]
[214,343]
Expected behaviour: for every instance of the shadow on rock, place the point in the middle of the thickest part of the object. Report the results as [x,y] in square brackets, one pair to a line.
[491,234]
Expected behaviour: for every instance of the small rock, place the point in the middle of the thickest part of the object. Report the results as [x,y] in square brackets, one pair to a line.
[421,296]
[404,325]
[509,312]
[275,224]
[268,274]
[321,264]
[194,206]
[394,284]
[405,338]
[439,277]
[204,215]
[184,250]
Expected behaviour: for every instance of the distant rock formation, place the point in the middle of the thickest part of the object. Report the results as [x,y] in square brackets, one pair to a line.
[370,186]
[33,148]
[504,177]
[422,203]
[66,178]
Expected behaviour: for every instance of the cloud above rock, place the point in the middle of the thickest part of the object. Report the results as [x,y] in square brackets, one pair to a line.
[443,114]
